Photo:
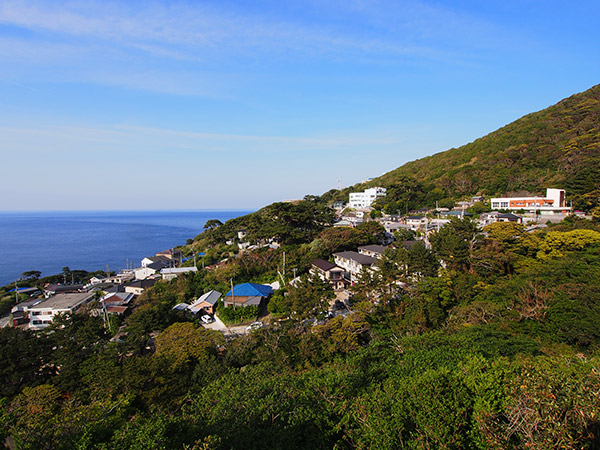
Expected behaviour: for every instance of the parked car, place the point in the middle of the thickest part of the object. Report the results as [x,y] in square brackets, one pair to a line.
[207,319]
[254,326]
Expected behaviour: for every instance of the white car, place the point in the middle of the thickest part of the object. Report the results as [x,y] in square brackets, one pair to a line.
[207,319]
[254,326]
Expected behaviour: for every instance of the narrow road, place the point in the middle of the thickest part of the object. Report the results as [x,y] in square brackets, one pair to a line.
[218,325]
[4,321]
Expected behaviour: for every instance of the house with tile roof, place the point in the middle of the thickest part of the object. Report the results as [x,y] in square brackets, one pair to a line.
[330,273]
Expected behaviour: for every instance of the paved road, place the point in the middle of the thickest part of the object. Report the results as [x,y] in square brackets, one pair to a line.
[218,325]
[4,321]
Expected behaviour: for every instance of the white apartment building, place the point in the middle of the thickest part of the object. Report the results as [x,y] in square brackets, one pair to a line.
[42,314]
[363,200]
[553,203]
[353,263]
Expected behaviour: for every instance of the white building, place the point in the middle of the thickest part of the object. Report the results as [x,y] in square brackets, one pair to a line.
[353,263]
[42,314]
[169,273]
[416,222]
[363,200]
[553,203]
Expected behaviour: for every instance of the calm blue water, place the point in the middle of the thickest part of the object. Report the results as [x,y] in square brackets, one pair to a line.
[49,241]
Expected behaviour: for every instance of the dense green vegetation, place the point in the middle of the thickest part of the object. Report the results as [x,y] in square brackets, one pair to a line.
[498,350]
[487,340]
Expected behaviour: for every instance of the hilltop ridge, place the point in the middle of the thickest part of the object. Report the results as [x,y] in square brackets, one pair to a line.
[556,147]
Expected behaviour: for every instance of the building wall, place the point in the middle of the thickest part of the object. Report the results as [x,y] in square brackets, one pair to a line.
[42,318]
[555,201]
[359,200]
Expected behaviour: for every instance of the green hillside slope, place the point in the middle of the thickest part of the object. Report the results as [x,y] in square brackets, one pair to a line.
[556,147]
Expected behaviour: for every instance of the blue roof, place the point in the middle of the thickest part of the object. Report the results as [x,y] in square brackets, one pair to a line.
[250,290]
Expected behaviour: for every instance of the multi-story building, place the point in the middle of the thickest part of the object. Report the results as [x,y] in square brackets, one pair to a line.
[363,200]
[330,273]
[353,263]
[554,202]
[42,314]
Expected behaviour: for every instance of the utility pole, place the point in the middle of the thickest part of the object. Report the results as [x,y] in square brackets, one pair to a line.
[284,263]
[232,293]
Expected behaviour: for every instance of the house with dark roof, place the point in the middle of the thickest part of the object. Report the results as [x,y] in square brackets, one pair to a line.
[152,259]
[137,287]
[353,263]
[330,273]
[374,250]
[141,273]
[247,294]
[495,216]
[53,289]
[172,254]
[206,302]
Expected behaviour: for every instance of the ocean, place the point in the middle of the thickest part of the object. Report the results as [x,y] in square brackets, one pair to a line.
[92,240]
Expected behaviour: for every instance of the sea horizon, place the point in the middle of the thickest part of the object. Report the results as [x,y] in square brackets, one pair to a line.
[48,240]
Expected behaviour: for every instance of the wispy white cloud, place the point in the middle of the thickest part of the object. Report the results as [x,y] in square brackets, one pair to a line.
[123,139]
[138,45]
[183,30]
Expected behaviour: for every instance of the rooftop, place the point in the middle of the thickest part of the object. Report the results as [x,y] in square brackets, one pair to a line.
[63,287]
[373,248]
[250,290]
[209,297]
[178,270]
[355,256]
[323,265]
[142,283]
[64,301]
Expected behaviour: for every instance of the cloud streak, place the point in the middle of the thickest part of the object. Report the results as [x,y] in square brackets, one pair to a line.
[193,31]
[134,139]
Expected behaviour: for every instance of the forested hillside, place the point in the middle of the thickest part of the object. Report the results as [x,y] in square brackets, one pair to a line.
[484,339]
[499,350]
[556,147]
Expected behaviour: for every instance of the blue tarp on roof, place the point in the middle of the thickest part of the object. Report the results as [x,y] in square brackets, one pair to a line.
[250,290]
[24,289]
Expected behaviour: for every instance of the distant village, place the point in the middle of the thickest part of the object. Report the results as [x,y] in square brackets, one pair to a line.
[115,294]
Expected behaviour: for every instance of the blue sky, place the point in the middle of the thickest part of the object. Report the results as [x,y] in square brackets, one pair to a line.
[224,104]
